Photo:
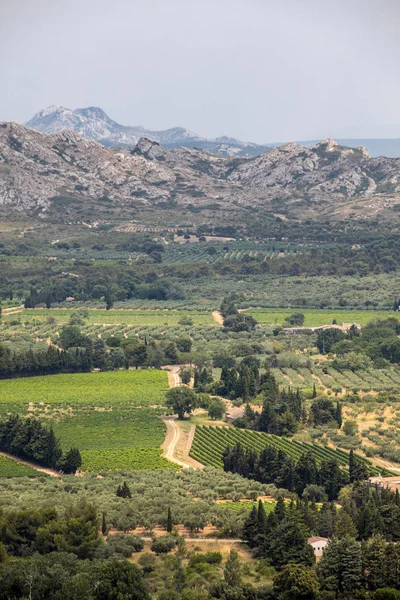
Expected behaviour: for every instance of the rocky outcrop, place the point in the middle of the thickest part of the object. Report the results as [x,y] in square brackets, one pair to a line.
[67,174]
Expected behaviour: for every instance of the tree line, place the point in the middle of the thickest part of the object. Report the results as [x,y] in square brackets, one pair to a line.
[300,476]
[30,440]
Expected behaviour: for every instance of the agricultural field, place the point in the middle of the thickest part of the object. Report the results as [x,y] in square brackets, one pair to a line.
[317,318]
[11,468]
[118,317]
[328,378]
[210,442]
[237,251]
[110,416]
[102,390]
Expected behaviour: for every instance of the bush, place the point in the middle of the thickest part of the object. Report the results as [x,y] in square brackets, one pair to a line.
[350,427]
[211,558]
[163,544]
[386,594]
[125,545]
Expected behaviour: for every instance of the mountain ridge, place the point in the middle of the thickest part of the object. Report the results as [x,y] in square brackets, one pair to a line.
[93,123]
[66,176]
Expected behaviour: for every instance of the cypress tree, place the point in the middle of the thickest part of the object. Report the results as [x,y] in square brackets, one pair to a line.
[351,465]
[261,517]
[338,416]
[179,578]
[169,520]
[123,491]
[104,525]
[232,570]
[108,299]
[280,509]
[250,528]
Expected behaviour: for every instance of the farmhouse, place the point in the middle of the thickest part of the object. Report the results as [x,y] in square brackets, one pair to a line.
[392,483]
[236,412]
[318,544]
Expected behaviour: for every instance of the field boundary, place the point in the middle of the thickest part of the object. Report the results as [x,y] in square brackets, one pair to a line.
[32,465]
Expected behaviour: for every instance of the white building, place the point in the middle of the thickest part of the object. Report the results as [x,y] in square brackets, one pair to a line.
[318,544]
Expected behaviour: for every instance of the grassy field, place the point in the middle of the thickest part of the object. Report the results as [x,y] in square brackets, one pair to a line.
[317,317]
[10,468]
[97,413]
[120,316]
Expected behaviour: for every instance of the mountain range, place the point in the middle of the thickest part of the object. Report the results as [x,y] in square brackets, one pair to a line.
[94,124]
[63,175]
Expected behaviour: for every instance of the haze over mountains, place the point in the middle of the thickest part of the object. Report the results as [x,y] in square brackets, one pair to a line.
[66,176]
[94,124]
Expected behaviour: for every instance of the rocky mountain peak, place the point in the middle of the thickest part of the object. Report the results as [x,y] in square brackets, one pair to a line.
[93,112]
[94,124]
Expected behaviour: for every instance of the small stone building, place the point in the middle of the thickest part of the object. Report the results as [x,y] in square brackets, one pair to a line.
[318,544]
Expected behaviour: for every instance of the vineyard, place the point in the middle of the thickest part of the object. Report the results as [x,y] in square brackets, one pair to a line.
[210,442]
[10,468]
[103,390]
[98,413]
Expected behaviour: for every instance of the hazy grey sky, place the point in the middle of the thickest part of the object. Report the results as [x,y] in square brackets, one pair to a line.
[259,70]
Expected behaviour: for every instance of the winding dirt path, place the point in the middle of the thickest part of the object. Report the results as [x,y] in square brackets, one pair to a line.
[178,442]
[218,318]
[51,472]
[13,309]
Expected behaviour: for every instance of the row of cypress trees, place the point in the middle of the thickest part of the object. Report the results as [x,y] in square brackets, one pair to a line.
[30,440]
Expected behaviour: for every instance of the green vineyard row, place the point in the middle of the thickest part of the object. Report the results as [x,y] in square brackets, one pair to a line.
[210,442]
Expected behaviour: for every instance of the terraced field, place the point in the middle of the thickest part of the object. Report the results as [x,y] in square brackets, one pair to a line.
[99,413]
[210,442]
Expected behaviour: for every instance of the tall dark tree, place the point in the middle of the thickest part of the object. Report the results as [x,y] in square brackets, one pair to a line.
[169,520]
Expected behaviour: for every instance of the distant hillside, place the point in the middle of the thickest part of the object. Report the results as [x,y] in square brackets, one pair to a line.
[66,176]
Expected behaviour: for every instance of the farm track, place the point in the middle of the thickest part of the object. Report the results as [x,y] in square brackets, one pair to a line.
[38,468]
[218,318]
[13,309]
[175,438]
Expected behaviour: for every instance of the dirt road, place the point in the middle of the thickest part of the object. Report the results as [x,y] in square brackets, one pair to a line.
[32,465]
[218,318]
[171,441]
[173,375]
[12,310]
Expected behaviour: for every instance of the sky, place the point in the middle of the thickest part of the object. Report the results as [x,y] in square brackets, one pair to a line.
[258,70]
